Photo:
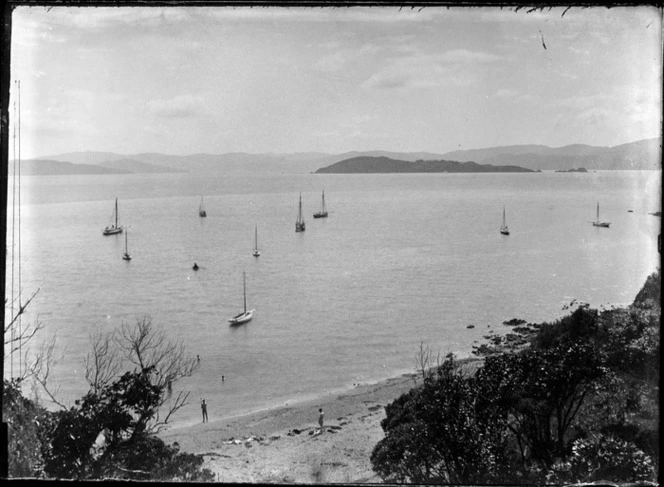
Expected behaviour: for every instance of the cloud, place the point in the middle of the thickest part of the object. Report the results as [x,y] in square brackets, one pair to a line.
[331,62]
[465,56]
[506,93]
[183,106]
[456,67]
[344,53]
[576,50]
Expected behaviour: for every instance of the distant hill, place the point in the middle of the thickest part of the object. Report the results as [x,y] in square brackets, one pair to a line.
[209,163]
[81,163]
[372,165]
[85,157]
[44,167]
[642,154]
[134,166]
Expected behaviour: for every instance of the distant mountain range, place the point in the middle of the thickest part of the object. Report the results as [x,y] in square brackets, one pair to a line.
[42,167]
[642,154]
[372,165]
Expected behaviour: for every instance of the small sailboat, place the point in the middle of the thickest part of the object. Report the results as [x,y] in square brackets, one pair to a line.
[323,210]
[126,255]
[503,229]
[201,209]
[598,223]
[246,315]
[113,226]
[299,224]
[256,252]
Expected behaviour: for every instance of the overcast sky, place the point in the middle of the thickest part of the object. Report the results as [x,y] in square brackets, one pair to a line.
[221,79]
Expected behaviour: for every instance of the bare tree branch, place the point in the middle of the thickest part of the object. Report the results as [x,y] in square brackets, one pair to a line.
[23,336]
[148,347]
[102,363]
[41,369]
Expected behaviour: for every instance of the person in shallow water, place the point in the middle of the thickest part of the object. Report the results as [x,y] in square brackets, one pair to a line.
[321,417]
[195,266]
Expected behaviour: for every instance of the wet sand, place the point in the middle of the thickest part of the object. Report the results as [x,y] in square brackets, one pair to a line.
[283,445]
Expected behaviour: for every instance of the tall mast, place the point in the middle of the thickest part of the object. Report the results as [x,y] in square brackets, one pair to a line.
[299,214]
[244,286]
[116,213]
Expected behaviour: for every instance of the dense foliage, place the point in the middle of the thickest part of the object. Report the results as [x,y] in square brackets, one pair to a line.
[108,433]
[578,404]
[103,436]
[28,425]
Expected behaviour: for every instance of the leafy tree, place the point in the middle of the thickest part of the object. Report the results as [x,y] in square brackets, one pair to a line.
[511,419]
[607,457]
[542,391]
[118,413]
[581,324]
[108,432]
[105,436]
[27,424]
[440,432]
[579,403]
[651,293]
[151,459]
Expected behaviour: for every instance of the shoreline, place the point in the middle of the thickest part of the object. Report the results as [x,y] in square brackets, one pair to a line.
[270,419]
[283,444]
[280,445]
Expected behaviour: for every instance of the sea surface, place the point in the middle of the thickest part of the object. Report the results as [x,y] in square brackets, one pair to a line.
[402,260]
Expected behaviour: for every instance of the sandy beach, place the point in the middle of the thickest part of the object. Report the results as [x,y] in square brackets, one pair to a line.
[282,445]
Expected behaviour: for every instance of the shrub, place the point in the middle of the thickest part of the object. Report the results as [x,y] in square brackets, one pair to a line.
[609,458]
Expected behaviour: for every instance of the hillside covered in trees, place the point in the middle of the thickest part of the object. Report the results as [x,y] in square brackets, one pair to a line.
[576,400]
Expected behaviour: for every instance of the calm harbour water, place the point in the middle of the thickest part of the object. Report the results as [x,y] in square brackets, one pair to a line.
[402,259]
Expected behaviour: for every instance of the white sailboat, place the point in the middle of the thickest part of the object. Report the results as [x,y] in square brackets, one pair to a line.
[503,229]
[126,255]
[201,209]
[299,224]
[246,315]
[598,223]
[113,226]
[256,252]
[323,210]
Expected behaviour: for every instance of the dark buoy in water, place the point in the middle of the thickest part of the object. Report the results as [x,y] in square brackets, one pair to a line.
[195,266]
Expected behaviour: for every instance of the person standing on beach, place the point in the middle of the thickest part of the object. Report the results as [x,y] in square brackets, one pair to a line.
[321,417]
[204,410]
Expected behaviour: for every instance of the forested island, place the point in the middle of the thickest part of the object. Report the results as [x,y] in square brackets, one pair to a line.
[377,165]
[581,169]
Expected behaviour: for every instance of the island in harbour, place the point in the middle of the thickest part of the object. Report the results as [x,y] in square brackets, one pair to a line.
[581,169]
[374,165]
